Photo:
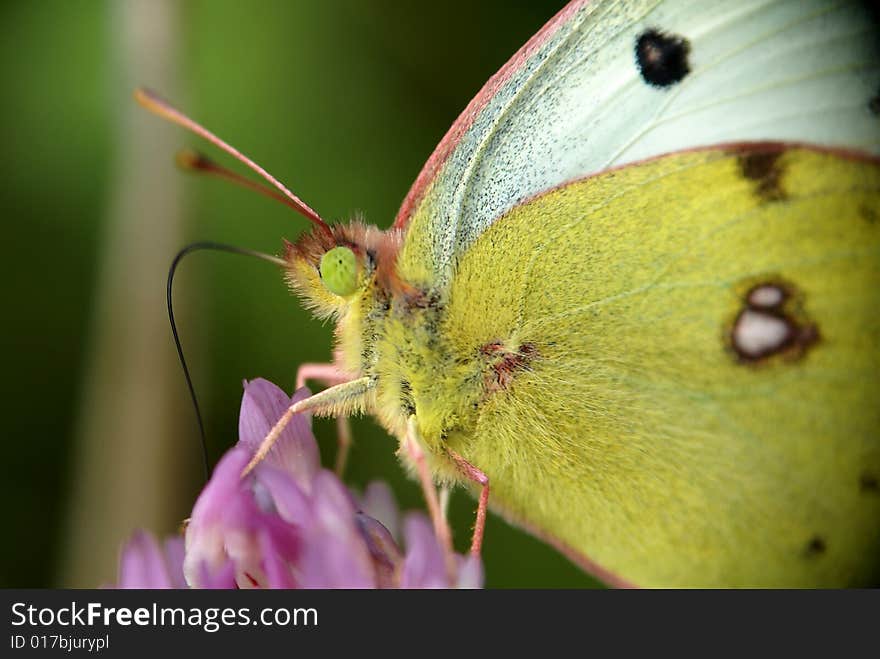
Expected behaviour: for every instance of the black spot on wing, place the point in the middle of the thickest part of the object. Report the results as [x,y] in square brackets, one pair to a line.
[764,169]
[869,483]
[868,214]
[662,58]
[815,547]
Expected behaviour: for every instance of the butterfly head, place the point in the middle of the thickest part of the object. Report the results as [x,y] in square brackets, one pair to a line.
[331,270]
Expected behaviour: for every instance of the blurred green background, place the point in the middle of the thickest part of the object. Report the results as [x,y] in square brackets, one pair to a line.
[343,101]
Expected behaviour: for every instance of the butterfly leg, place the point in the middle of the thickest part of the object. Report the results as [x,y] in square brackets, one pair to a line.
[327,373]
[445,496]
[343,440]
[474,474]
[330,375]
[413,448]
[341,399]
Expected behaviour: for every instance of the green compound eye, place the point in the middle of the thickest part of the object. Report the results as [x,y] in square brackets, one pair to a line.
[339,271]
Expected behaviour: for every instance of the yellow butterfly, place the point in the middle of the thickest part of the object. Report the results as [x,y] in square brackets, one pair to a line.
[635,292]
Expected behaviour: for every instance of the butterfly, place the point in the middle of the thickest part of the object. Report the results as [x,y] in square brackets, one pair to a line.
[630,302]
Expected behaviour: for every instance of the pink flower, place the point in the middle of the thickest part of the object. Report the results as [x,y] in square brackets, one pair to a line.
[291,524]
[146,564]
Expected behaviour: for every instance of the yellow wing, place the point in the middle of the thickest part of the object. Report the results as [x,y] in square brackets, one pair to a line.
[695,398]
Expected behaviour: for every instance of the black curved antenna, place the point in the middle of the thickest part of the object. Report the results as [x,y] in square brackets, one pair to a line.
[189,249]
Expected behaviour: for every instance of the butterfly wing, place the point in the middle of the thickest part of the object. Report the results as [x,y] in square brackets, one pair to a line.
[696,399]
[606,83]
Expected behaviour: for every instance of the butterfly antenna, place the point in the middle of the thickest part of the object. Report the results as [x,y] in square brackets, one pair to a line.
[189,249]
[199,163]
[159,106]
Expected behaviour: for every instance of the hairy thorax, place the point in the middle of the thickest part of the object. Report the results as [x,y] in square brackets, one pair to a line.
[399,341]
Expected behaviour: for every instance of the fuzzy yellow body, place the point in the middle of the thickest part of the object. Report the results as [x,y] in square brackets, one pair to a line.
[629,430]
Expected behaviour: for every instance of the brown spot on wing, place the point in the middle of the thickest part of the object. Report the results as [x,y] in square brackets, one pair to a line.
[504,363]
[869,483]
[815,547]
[763,167]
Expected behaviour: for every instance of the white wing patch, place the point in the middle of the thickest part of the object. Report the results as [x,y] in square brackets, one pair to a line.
[802,71]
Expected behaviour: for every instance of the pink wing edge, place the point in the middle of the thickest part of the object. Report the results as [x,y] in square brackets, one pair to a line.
[589,566]
[466,118]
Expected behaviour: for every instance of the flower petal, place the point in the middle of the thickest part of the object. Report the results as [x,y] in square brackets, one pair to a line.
[288,498]
[144,565]
[222,578]
[226,522]
[174,554]
[335,553]
[470,572]
[277,568]
[378,502]
[295,450]
[425,564]
[383,549]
